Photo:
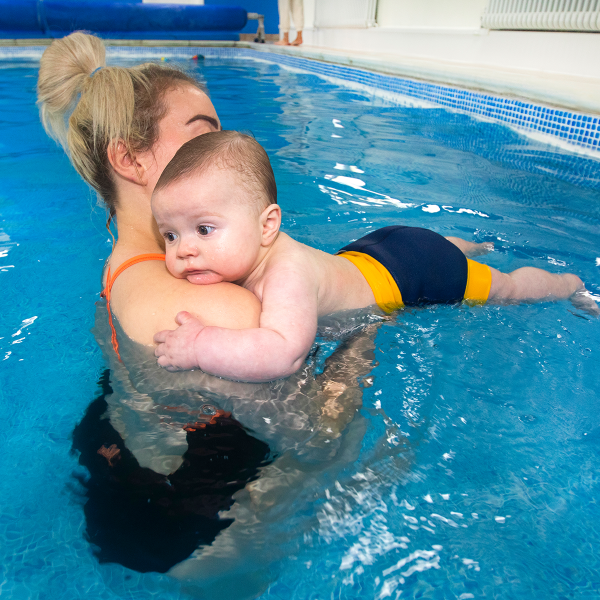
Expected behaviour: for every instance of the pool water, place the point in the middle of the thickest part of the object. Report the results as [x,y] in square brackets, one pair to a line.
[471,469]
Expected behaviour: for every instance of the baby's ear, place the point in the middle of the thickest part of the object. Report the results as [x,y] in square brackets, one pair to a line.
[270,221]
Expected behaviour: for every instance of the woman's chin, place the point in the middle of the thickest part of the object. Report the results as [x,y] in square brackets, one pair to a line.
[204,277]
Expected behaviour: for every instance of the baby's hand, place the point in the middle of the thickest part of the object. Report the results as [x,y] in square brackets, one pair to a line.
[175,350]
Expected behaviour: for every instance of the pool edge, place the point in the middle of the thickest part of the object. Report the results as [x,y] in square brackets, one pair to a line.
[546,122]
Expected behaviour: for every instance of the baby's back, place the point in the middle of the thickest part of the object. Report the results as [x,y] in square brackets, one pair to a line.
[339,284]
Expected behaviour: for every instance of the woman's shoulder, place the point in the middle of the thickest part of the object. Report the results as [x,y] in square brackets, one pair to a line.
[146,298]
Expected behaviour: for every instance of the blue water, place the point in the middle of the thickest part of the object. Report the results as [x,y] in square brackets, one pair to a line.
[471,469]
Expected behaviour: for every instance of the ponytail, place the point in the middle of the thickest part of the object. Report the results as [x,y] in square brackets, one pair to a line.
[88,107]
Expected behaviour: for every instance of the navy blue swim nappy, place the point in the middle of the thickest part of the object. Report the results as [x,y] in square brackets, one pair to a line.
[425,267]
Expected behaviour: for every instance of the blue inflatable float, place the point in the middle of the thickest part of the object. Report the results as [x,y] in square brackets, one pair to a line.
[119,19]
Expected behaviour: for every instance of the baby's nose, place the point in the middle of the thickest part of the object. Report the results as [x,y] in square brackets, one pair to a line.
[187,249]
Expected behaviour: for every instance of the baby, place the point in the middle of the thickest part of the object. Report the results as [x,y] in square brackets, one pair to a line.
[216,207]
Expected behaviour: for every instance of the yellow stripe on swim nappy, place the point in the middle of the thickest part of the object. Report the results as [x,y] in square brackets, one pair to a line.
[384,286]
[479,282]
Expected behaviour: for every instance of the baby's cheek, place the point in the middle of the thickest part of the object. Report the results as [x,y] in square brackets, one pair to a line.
[172,265]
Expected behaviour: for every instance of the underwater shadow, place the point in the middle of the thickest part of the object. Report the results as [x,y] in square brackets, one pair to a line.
[147,521]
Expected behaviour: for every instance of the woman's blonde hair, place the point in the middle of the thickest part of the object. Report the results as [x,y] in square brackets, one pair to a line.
[88,107]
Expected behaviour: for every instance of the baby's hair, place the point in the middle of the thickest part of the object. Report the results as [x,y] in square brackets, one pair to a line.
[89,107]
[228,150]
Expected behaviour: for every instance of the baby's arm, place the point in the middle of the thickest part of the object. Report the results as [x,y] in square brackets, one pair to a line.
[288,324]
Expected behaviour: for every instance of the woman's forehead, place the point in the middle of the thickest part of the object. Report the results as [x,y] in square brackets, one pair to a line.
[185,102]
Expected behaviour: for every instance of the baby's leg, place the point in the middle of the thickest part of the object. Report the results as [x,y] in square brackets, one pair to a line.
[471,249]
[529,283]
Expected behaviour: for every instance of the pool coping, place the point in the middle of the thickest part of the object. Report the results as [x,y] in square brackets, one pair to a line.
[575,131]
[537,86]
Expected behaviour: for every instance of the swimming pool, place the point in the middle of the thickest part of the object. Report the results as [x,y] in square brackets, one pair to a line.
[469,471]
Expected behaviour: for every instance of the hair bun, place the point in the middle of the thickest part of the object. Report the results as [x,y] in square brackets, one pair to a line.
[64,67]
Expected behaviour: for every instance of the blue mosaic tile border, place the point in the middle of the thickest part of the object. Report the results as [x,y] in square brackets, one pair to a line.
[576,129]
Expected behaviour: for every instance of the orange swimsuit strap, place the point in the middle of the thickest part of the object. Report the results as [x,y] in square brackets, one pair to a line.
[110,282]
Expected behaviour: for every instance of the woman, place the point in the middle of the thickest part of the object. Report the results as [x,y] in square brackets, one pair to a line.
[124,125]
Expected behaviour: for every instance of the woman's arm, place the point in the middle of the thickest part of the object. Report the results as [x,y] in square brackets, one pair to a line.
[146,297]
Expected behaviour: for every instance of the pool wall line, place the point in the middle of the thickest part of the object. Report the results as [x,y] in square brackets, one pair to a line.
[573,130]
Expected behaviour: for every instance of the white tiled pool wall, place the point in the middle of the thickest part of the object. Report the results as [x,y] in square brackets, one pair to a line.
[576,129]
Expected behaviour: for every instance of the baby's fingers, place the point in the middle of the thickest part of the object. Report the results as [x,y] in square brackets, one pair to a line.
[183,317]
[165,364]
[161,336]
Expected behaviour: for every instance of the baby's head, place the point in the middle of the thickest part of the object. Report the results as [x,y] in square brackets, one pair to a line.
[216,207]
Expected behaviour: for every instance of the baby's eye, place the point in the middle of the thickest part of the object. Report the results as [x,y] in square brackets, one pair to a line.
[169,236]
[205,229]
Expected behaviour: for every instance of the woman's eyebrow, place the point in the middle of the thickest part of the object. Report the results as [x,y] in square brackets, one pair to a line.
[212,121]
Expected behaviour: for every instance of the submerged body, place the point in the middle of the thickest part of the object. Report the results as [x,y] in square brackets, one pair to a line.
[216,209]
[200,491]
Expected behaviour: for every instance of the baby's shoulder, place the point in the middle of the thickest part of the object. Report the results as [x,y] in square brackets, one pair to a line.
[289,255]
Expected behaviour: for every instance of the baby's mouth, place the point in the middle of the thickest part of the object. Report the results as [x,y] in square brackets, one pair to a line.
[188,272]
[202,276]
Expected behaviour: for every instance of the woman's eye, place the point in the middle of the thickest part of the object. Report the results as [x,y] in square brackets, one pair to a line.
[205,229]
[169,237]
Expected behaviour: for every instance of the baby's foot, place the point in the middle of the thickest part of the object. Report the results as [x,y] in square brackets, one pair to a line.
[587,302]
[480,249]
[470,249]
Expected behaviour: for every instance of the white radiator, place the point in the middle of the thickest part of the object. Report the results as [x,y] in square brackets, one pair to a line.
[345,13]
[543,15]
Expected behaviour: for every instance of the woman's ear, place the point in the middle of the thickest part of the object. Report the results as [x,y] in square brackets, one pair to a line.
[270,221]
[130,168]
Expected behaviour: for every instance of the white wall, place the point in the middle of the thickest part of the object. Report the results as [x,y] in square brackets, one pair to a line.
[442,41]
[309,13]
[430,13]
